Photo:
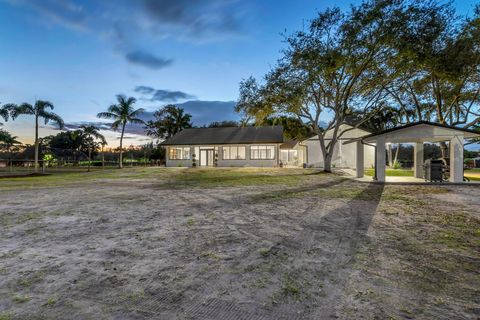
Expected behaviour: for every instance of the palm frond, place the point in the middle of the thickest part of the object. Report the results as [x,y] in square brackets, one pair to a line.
[24,108]
[106,115]
[136,113]
[115,109]
[43,104]
[136,121]
[4,113]
[131,101]
[53,117]
[116,124]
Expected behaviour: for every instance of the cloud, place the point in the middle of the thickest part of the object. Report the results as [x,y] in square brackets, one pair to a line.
[163,95]
[196,18]
[147,60]
[203,113]
[64,12]
[144,89]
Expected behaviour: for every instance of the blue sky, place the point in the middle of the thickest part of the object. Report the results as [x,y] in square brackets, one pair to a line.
[80,54]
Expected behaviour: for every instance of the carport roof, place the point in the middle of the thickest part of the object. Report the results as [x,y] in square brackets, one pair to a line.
[413,132]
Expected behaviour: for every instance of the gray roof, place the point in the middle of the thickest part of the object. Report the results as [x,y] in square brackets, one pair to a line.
[227,135]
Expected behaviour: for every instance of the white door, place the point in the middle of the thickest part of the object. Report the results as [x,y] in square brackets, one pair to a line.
[203,157]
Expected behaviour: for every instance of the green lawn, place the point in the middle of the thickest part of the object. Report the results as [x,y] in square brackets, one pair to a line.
[392,172]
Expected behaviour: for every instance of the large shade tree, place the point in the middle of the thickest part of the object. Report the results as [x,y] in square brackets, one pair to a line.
[168,121]
[121,113]
[41,111]
[327,72]
[438,58]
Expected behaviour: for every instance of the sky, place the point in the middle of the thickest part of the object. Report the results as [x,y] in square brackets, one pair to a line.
[80,54]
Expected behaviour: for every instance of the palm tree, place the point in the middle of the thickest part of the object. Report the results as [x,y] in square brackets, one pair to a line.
[39,110]
[122,113]
[91,133]
[7,141]
[169,120]
[4,112]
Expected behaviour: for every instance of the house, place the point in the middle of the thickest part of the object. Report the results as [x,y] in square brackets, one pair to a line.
[257,147]
[227,146]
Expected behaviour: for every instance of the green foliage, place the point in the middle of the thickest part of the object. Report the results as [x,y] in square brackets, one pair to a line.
[49,160]
[168,121]
[7,140]
[121,114]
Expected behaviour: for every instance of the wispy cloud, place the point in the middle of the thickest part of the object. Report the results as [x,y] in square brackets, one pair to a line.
[147,60]
[161,95]
[131,25]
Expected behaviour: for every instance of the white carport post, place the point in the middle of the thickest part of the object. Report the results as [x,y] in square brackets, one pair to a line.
[456,159]
[359,159]
[418,160]
[380,159]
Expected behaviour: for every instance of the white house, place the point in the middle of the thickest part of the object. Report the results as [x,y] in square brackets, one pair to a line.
[259,147]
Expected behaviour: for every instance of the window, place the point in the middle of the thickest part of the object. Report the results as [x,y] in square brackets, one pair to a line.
[234,153]
[182,153]
[288,155]
[262,152]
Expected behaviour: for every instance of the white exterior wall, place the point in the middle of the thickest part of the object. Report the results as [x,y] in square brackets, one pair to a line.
[344,155]
[225,163]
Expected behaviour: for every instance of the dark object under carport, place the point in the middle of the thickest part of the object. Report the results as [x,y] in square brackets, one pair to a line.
[433,170]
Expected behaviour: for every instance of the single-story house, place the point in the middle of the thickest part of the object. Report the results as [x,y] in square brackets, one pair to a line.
[258,147]
[227,146]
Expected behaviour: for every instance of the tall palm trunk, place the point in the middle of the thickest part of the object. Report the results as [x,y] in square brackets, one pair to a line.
[103,158]
[36,143]
[121,143]
[89,157]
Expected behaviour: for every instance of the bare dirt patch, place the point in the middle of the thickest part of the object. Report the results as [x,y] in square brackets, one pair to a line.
[236,244]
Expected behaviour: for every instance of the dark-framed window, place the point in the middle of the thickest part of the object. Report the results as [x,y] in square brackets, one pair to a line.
[234,153]
[262,152]
[179,153]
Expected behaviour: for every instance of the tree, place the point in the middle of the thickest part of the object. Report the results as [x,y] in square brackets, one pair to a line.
[328,72]
[4,112]
[438,60]
[90,134]
[122,113]
[7,142]
[168,121]
[39,110]
[293,128]
[224,123]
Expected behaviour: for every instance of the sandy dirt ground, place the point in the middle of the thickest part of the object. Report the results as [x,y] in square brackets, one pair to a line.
[236,244]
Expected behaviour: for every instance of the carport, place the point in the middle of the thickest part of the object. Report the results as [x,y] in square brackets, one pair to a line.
[417,133]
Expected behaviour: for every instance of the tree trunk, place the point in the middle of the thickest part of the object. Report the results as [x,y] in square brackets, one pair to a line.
[103,158]
[327,163]
[323,151]
[396,153]
[390,156]
[89,157]
[120,165]
[36,143]
[444,149]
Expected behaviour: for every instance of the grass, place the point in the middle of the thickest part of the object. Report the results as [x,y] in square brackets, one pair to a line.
[168,177]
[20,299]
[392,172]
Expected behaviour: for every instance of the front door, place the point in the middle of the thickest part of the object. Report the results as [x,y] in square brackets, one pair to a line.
[210,157]
[206,157]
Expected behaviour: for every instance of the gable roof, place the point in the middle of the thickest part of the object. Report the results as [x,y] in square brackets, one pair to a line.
[470,133]
[227,135]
